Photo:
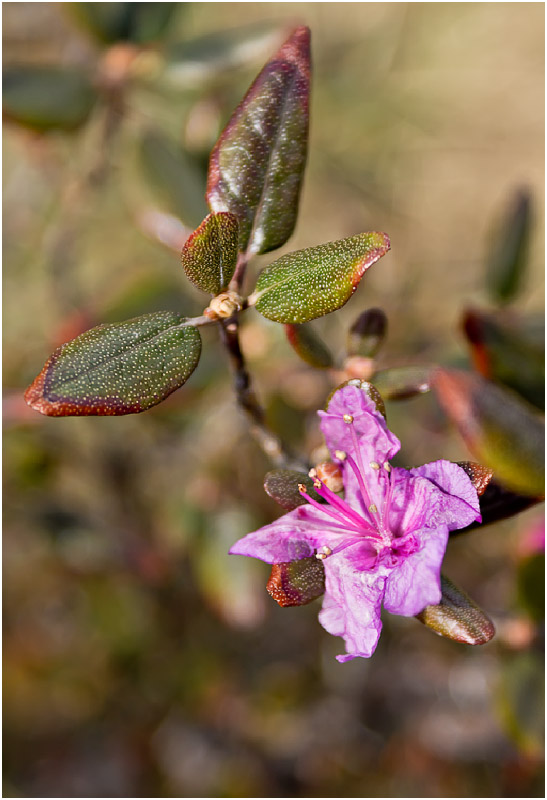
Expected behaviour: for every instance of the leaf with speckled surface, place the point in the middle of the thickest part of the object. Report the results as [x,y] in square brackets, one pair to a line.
[309,283]
[457,617]
[282,486]
[117,369]
[296,583]
[209,255]
[256,167]
[309,346]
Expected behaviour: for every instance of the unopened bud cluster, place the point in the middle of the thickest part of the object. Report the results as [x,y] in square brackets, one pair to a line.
[223,306]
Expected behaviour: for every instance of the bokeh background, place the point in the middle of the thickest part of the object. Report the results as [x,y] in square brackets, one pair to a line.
[139,659]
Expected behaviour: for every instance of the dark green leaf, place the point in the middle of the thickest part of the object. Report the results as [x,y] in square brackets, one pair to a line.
[47,97]
[502,431]
[400,383]
[295,583]
[507,259]
[282,486]
[457,617]
[257,165]
[505,352]
[309,346]
[174,175]
[309,283]
[134,22]
[117,369]
[366,335]
[209,255]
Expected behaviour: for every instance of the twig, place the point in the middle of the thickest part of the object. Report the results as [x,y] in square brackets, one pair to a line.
[247,399]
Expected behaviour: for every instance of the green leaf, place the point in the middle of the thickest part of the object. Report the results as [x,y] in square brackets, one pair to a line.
[117,369]
[174,176]
[503,351]
[295,583]
[366,335]
[209,255]
[506,262]
[134,22]
[282,486]
[257,165]
[309,283]
[457,617]
[502,431]
[309,346]
[47,97]
[400,383]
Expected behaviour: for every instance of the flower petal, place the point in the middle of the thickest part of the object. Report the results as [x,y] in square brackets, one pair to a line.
[293,536]
[416,581]
[351,606]
[367,423]
[457,503]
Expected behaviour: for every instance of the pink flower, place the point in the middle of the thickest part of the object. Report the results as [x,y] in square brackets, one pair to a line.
[385,541]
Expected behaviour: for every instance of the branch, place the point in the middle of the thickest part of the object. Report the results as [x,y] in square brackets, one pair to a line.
[248,401]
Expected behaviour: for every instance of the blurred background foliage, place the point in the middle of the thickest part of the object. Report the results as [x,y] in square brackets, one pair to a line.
[139,659]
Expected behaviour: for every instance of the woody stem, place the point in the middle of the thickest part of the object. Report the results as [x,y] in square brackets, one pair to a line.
[245,395]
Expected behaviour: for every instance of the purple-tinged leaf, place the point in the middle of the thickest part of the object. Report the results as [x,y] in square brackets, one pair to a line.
[296,583]
[306,284]
[257,165]
[479,476]
[366,335]
[506,262]
[400,383]
[503,432]
[282,486]
[209,255]
[309,346]
[503,351]
[457,617]
[117,369]
[46,98]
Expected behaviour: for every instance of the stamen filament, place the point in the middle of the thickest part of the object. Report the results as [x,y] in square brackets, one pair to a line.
[327,510]
[344,508]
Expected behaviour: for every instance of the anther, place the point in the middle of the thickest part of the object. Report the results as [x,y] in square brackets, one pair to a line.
[348,419]
[301,487]
[387,466]
[340,455]
[374,465]
[323,552]
[317,483]
[373,509]
[312,473]
[321,556]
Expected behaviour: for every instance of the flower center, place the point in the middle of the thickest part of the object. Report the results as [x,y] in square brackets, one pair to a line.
[356,527]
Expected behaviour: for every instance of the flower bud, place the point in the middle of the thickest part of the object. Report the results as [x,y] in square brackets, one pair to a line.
[359,367]
[331,475]
[223,306]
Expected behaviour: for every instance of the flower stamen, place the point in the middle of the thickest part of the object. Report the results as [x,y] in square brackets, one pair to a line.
[325,508]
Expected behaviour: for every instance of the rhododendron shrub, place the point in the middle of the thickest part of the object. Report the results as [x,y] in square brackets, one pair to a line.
[359,529]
